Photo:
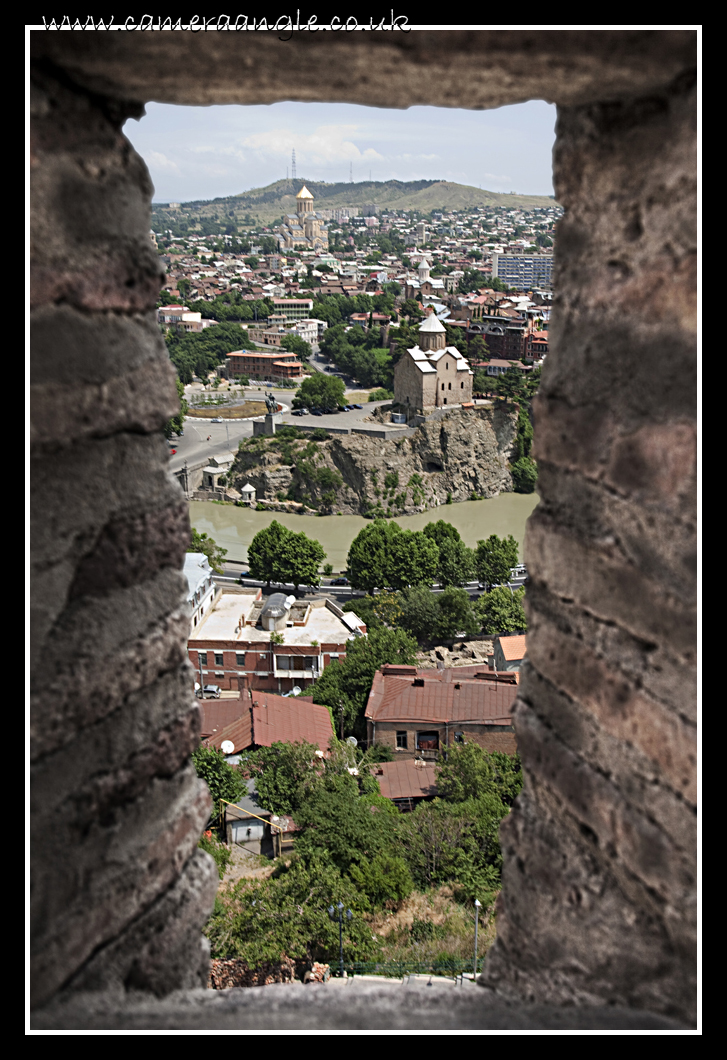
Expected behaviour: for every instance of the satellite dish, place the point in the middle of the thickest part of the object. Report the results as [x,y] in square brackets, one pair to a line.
[227,747]
[353,741]
[295,690]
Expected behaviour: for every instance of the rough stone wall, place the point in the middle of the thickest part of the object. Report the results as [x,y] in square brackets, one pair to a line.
[599,897]
[119,889]
[469,449]
[599,851]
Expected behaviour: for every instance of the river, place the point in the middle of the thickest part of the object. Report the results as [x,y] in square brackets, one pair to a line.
[234,527]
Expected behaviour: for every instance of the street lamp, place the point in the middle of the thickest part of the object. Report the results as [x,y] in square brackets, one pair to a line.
[478,904]
[337,911]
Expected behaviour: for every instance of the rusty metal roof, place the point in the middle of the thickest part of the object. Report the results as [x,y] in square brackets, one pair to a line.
[404,779]
[440,696]
[270,719]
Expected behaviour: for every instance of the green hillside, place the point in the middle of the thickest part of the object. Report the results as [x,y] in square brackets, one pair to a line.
[266,205]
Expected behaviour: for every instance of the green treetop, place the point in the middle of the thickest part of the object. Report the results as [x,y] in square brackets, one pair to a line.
[208,546]
[320,391]
[278,555]
[495,557]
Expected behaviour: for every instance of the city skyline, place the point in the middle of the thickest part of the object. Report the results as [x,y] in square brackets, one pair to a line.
[202,153]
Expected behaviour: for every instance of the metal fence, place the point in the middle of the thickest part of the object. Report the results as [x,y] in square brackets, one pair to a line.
[398,969]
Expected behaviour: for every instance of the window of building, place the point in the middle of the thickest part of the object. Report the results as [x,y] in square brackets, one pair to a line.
[240,658]
[401,740]
[427,741]
[218,658]
[202,658]
[282,662]
[449,386]
[459,737]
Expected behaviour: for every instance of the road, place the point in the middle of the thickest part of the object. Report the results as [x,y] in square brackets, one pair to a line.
[193,447]
[233,569]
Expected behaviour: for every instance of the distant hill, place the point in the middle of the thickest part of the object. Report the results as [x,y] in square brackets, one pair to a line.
[267,204]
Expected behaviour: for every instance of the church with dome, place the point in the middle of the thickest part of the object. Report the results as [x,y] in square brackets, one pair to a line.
[303,230]
[432,374]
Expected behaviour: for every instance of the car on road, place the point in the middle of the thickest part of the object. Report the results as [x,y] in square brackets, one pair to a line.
[218,419]
[316,412]
[358,406]
[340,581]
[244,574]
[208,692]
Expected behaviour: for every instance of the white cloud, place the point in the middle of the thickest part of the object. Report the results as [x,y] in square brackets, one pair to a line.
[327,143]
[160,161]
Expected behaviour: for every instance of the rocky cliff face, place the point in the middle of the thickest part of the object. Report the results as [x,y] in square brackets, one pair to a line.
[463,453]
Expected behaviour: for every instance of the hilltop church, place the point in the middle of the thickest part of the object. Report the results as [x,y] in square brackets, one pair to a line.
[432,374]
[304,230]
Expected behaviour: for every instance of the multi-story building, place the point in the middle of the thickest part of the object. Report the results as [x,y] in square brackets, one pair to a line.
[524,271]
[201,588]
[293,308]
[273,644]
[259,365]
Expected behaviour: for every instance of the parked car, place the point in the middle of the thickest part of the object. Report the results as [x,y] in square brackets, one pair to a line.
[358,406]
[208,692]
[218,419]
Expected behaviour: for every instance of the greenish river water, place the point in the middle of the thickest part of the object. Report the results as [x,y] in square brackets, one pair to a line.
[233,528]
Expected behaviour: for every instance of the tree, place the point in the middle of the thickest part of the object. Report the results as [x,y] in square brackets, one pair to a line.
[456,563]
[495,557]
[208,546]
[420,613]
[295,344]
[342,826]
[367,561]
[320,391]
[176,424]
[266,554]
[348,682]
[445,842]
[412,559]
[284,773]
[501,611]
[384,555]
[276,554]
[524,475]
[286,916]
[222,779]
[466,771]
[456,614]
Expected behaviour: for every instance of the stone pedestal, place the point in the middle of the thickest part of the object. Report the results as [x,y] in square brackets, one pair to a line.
[267,426]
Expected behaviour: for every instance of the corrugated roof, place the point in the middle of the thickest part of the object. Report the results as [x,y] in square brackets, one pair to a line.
[440,696]
[404,779]
[217,714]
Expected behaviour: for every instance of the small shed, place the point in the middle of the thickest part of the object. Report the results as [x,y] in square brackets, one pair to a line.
[248,825]
[249,494]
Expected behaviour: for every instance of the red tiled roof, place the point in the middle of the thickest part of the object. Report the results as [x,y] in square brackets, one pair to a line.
[440,696]
[404,779]
[513,647]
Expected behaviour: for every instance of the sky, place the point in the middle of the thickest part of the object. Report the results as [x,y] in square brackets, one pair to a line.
[210,152]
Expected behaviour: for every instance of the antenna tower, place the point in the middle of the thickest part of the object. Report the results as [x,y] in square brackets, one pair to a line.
[292,168]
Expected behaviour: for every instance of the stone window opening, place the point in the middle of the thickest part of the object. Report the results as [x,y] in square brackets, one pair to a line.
[629,451]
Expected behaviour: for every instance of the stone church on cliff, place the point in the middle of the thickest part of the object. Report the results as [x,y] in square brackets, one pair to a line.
[432,374]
